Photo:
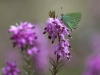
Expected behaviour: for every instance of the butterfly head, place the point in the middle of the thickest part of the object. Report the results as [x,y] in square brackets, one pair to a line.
[62,12]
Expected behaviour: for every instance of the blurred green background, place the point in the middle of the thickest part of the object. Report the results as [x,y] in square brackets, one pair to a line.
[36,11]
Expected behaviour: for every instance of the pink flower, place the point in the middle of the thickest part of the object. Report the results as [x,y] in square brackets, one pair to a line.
[93,62]
[62,49]
[54,28]
[10,69]
[92,65]
[22,34]
[41,58]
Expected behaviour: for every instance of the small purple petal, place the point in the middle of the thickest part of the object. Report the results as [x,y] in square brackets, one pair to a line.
[10,69]
[29,52]
[35,50]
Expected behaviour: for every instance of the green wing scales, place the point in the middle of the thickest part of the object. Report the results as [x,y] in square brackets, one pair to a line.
[71,20]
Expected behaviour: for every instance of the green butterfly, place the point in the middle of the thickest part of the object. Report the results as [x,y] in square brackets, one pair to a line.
[71,20]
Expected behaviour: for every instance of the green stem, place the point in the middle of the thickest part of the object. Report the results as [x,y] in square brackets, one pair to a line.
[28,63]
[55,70]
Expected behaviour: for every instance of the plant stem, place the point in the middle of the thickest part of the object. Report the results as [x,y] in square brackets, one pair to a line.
[55,70]
[28,63]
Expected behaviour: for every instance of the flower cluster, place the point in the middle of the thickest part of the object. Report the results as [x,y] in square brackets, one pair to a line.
[10,69]
[62,49]
[92,65]
[23,35]
[55,29]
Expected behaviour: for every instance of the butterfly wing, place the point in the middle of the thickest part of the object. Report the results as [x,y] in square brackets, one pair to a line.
[71,20]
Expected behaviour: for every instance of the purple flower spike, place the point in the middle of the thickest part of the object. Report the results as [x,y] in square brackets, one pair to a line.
[10,69]
[54,28]
[22,34]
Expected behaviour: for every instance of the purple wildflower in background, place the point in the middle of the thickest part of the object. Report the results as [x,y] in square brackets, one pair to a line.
[55,29]
[42,45]
[10,69]
[92,65]
[22,34]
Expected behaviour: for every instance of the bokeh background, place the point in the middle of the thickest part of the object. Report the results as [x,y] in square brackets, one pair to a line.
[86,38]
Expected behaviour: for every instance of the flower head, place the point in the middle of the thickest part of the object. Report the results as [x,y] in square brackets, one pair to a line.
[10,69]
[55,28]
[22,34]
[92,65]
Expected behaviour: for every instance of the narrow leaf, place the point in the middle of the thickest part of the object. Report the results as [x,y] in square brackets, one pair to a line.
[51,71]
[53,61]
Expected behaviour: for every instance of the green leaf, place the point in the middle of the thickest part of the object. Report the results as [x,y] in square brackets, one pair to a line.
[28,64]
[53,61]
[51,71]
[60,66]
[32,72]
[26,73]
[71,20]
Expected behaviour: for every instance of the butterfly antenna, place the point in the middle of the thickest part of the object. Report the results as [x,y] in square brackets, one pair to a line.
[54,12]
[62,10]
